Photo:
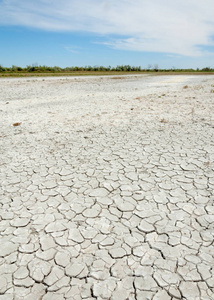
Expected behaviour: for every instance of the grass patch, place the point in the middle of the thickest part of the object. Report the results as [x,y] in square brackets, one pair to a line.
[65,74]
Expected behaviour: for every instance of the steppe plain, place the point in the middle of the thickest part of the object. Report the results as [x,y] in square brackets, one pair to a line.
[107,188]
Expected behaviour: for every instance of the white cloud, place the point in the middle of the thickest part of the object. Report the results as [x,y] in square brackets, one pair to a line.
[72,49]
[181,27]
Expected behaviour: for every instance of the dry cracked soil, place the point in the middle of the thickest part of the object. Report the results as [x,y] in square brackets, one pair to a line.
[107,188]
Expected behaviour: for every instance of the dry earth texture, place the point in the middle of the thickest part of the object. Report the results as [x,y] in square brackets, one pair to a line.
[107,188]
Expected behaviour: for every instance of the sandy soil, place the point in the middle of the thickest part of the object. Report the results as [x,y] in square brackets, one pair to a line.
[107,188]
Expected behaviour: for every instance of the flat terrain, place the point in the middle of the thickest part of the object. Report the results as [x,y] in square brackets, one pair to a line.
[66,74]
[107,188]
[7,74]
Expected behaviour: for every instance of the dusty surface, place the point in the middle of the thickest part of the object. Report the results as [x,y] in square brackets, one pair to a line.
[107,188]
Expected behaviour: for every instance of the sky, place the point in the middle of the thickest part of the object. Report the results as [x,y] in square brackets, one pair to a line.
[170,34]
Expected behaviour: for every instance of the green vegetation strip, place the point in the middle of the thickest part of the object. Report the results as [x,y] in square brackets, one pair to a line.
[16,71]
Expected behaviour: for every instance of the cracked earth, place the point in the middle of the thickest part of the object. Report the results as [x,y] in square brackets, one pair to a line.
[107,188]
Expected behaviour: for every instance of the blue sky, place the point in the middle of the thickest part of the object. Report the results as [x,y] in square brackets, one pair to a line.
[178,33]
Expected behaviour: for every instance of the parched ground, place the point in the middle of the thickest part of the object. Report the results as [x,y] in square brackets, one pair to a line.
[107,188]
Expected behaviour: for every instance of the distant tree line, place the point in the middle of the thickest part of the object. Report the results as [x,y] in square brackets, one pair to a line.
[119,68]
